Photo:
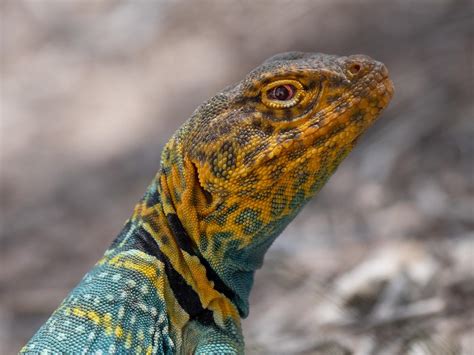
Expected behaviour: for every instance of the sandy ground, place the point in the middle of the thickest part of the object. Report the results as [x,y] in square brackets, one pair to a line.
[381,262]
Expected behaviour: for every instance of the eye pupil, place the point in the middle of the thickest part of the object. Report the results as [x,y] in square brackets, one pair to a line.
[282,92]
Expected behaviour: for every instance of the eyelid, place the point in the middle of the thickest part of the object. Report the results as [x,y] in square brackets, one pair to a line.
[299,94]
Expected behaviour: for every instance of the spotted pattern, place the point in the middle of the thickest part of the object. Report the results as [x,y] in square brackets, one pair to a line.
[178,277]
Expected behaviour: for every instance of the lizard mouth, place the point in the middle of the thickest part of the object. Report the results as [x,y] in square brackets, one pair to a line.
[385,88]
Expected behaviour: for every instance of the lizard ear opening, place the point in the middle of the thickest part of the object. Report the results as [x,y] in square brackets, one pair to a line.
[202,198]
[207,195]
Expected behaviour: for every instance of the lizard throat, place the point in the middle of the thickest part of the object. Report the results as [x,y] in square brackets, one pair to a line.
[163,233]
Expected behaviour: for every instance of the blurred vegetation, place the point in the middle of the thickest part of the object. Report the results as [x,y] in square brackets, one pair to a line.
[381,262]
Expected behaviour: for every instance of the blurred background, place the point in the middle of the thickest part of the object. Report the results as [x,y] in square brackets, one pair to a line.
[381,262]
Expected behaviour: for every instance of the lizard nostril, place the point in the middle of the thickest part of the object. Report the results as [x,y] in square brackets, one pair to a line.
[355,68]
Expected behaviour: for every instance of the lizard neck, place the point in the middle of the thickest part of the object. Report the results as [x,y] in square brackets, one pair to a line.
[166,216]
[178,214]
[215,243]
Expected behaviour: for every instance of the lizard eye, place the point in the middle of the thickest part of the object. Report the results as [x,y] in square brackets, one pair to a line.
[282,93]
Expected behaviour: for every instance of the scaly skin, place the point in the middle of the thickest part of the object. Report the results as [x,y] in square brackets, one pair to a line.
[178,277]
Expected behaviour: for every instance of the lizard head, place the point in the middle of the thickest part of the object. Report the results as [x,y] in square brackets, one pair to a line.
[263,147]
[291,118]
[284,129]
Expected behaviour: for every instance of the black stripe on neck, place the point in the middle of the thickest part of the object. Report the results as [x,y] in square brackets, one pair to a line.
[185,243]
[187,298]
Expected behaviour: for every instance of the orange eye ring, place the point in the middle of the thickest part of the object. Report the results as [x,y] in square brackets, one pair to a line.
[283,94]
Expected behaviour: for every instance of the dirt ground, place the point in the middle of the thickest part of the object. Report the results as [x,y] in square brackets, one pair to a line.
[381,262]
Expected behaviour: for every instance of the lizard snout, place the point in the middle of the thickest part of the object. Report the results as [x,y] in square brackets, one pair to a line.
[364,71]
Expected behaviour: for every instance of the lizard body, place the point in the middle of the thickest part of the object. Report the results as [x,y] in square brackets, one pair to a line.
[178,276]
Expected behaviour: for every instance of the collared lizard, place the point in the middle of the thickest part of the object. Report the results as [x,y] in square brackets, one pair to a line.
[178,276]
